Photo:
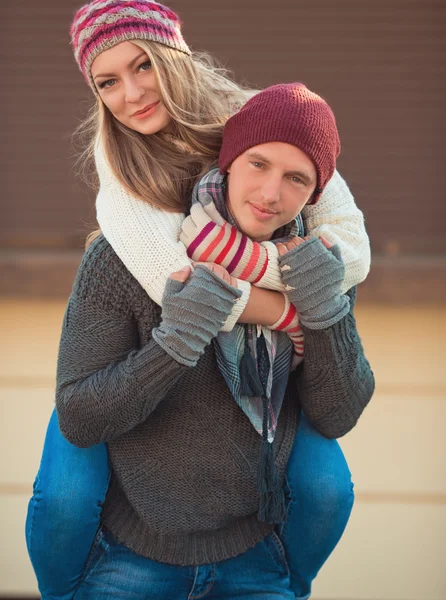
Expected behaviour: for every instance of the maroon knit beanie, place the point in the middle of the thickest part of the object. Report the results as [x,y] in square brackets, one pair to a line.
[288,113]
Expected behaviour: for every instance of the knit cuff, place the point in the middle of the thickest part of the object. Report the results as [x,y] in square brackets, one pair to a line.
[165,342]
[329,313]
[272,278]
[193,313]
[300,258]
[283,319]
[333,344]
[156,369]
[239,306]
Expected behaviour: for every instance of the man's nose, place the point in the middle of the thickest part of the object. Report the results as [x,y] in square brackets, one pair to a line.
[133,92]
[271,188]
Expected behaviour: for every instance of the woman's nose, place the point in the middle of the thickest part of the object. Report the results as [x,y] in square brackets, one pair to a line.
[133,92]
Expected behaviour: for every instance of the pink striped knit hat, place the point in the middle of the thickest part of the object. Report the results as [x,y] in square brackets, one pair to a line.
[102,24]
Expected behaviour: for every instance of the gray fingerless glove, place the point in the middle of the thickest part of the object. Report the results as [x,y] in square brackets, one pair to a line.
[193,313]
[313,275]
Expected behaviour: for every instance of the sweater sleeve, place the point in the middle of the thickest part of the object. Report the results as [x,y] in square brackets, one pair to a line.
[106,382]
[337,218]
[335,382]
[144,237]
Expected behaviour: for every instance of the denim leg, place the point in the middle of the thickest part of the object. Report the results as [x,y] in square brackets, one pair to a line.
[64,512]
[321,499]
[116,573]
[260,573]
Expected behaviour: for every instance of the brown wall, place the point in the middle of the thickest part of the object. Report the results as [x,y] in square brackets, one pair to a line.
[380,64]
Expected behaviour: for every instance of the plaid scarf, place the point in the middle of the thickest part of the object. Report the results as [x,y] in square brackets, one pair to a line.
[254,361]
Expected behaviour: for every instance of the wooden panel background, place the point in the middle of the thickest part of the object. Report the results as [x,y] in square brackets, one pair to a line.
[381,64]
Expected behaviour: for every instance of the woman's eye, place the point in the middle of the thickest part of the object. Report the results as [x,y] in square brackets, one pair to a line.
[145,66]
[107,84]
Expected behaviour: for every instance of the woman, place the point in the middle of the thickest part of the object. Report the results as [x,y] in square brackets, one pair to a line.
[174,152]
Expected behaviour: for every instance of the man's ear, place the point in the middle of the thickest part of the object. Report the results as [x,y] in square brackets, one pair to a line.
[228,169]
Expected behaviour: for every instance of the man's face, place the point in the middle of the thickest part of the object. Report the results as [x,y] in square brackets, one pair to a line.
[268,185]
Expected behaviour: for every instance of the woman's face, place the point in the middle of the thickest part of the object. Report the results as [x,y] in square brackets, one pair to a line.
[127,85]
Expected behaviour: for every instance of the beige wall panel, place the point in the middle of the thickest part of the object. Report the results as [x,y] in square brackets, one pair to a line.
[395,543]
[16,573]
[25,414]
[398,446]
[388,552]
[30,331]
[405,345]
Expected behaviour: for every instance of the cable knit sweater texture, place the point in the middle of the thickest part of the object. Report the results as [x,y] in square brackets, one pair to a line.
[146,238]
[183,455]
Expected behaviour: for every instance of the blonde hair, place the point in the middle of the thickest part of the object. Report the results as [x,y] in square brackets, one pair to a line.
[199,97]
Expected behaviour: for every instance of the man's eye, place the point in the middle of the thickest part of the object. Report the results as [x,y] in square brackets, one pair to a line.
[296,179]
[256,164]
[145,66]
[108,83]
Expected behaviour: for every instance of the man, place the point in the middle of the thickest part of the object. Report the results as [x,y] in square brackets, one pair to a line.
[278,154]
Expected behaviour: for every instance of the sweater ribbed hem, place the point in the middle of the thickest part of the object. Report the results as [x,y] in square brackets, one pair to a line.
[189,550]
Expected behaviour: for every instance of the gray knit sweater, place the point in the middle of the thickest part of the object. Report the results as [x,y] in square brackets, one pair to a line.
[183,455]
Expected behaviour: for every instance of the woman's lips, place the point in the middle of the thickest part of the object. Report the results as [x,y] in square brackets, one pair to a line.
[260,214]
[147,111]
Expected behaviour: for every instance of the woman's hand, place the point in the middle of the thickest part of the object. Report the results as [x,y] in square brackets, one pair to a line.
[195,306]
[220,272]
[313,276]
[296,241]
[184,274]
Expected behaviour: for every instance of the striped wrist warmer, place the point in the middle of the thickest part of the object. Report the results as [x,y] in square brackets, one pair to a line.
[289,324]
[206,241]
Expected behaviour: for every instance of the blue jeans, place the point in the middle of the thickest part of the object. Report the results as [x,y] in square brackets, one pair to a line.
[64,512]
[320,502]
[114,571]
